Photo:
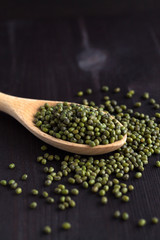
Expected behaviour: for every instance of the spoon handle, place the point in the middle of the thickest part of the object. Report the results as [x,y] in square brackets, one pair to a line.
[11,105]
[7,103]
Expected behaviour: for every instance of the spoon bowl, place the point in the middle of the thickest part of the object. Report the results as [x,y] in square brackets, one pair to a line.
[23,110]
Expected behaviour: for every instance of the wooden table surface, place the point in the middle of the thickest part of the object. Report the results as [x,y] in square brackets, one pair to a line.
[54,59]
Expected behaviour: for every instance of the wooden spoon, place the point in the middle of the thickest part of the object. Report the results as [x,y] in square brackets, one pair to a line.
[23,110]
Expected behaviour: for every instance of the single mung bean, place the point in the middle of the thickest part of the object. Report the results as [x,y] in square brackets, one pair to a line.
[44,161]
[12,166]
[66,204]
[80,94]
[85,184]
[72,203]
[57,190]
[34,192]
[65,192]
[66,225]
[46,155]
[105,88]
[154,220]
[39,158]
[137,104]
[117,90]
[18,190]
[152,101]
[24,177]
[45,169]
[138,175]
[14,185]
[48,182]
[125,198]
[51,169]
[50,157]
[56,157]
[44,148]
[50,200]
[124,190]
[102,192]
[10,182]
[45,194]
[71,180]
[141,222]
[61,186]
[33,205]
[157,115]
[117,214]
[68,198]
[157,150]
[130,187]
[156,106]
[95,188]
[146,95]
[3,182]
[47,230]
[61,206]
[125,216]
[157,163]
[89,91]
[104,200]
[75,191]
[62,199]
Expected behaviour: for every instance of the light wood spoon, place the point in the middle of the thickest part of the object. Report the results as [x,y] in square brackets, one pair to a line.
[23,110]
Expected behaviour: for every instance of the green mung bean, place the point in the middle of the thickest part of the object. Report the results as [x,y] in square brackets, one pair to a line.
[10,182]
[86,125]
[104,200]
[154,220]
[152,101]
[45,194]
[66,226]
[125,198]
[50,200]
[12,165]
[14,185]
[117,90]
[18,190]
[117,214]
[33,205]
[89,91]
[157,163]
[142,222]
[130,187]
[74,191]
[125,216]
[72,203]
[3,182]
[146,95]
[24,177]
[44,148]
[47,230]
[137,104]
[105,88]
[138,175]
[34,192]
[80,94]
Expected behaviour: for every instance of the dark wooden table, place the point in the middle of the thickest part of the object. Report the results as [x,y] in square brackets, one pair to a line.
[54,59]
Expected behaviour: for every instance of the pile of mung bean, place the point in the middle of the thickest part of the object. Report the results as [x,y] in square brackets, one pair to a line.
[79,124]
[92,126]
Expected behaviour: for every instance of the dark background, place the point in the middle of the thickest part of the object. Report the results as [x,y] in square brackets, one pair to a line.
[40,57]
